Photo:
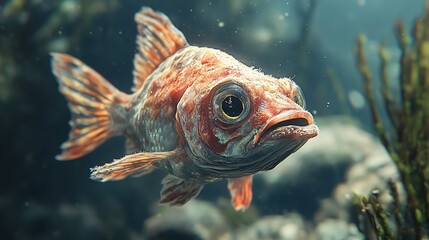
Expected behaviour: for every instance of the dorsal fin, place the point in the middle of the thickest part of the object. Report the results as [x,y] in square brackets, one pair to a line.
[157,39]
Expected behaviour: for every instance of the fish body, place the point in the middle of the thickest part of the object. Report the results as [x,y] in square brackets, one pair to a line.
[196,112]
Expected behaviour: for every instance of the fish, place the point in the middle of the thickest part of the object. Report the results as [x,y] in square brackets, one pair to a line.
[195,112]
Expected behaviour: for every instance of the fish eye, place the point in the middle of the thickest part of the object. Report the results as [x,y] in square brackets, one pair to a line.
[298,97]
[232,106]
[231,103]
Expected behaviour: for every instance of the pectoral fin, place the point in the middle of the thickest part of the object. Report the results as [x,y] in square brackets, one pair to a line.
[241,192]
[133,164]
[176,191]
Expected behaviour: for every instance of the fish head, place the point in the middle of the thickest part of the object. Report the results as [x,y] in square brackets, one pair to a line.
[244,123]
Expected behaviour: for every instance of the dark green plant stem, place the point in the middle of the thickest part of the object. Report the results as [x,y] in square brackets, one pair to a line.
[405,130]
[397,210]
[381,216]
[372,222]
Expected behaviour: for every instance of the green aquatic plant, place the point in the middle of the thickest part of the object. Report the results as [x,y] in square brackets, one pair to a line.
[402,125]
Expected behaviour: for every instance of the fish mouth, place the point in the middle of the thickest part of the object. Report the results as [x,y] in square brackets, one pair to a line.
[292,124]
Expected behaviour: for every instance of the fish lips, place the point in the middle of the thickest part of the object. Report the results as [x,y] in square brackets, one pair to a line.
[288,125]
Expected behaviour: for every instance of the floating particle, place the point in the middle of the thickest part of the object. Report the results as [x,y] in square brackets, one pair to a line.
[356,99]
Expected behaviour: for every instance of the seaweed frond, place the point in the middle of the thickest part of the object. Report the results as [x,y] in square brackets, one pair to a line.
[403,130]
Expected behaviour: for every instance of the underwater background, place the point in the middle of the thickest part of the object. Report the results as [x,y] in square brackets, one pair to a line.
[311,195]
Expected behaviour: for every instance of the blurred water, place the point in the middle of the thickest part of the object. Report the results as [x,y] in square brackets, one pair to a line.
[45,199]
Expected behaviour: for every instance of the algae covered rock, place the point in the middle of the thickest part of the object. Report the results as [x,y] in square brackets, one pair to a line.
[276,227]
[195,220]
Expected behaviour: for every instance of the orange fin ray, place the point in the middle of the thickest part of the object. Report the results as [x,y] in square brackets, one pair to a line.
[77,98]
[176,191]
[90,98]
[84,88]
[241,192]
[77,147]
[133,164]
[81,135]
[157,39]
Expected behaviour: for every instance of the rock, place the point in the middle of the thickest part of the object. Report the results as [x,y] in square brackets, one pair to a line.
[364,176]
[313,172]
[371,169]
[288,227]
[194,220]
[320,179]
[332,229]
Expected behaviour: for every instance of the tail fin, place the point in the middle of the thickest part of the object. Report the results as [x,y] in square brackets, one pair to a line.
[90,99]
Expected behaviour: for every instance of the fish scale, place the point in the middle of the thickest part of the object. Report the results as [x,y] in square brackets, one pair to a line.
[161,136]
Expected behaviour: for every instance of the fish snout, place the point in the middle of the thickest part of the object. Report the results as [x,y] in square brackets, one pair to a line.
[296,124]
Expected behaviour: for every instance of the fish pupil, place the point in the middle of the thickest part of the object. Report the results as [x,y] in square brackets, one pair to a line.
[232,106]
